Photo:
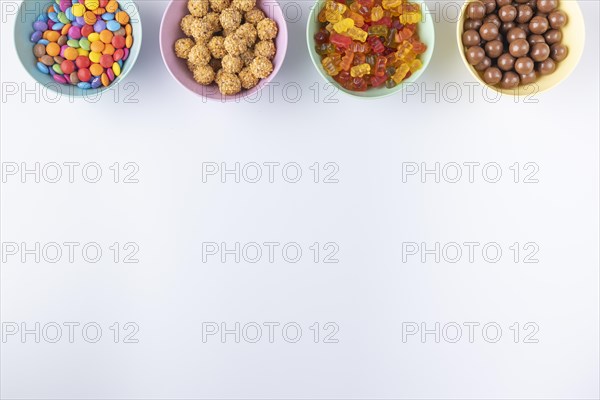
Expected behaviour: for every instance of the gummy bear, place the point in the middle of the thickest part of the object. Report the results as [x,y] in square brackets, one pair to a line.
[401,73]
[390,41]
[335,7]
[322,36]
[359,84]
[347,60]
[404,49]
[380,66]
[378,80]
[358,19]
[343,25]
[370,59]
[329,66]
[340,41]
[325,48]
[357,34]
[378,30]
[360,70]
[359,58]
[359,47]
[333,16]
[366,3]
[388,4]
[390,83]
[376,13]
[376,45]
[415,65]
[410,18]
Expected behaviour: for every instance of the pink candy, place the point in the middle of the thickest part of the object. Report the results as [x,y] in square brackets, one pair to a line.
[60,79]
[75,32]
[110,74]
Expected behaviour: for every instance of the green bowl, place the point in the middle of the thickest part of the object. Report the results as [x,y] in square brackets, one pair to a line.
[426,33]
[27,14]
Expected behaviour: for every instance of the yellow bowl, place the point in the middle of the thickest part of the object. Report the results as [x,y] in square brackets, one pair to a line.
[573,37]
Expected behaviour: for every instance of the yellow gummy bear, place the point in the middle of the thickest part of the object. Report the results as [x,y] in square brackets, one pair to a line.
[410,18]
[415,65]
[329,66]
[332,16]
[360,70]
[388,4]
[357,34]
[401,73]
[343,25]
[376,13]
[336,7]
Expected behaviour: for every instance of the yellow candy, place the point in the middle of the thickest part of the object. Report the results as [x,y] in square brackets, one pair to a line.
[83,52]
[116,69]
[343,25]
[112,6]
[376,13]
[357,34]
[401,73]
[332,16]
[360,70]
[95,56]
[91,4]
[336,7]
[415,65]
[94,37]
[78,9]
[389,4]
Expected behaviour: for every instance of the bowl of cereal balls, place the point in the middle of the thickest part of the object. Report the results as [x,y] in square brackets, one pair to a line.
[223,49]
[370,48]
[80,47]
[521,47]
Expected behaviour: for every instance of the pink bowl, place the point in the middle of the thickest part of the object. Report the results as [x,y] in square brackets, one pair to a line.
[170,32]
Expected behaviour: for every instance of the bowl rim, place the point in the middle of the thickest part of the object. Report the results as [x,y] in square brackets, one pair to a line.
[73,90]
[390,92]
[521,90]
[242,94]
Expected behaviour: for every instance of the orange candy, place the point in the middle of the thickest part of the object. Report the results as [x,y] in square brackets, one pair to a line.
[129,41]
[108,49]
[96,69]
[112,6]
[128,29]
[122,17]
[104,79]
[52,49]
[65,29]
[89,18]
[52,36]
[71,53]
[106,36]
[97,46]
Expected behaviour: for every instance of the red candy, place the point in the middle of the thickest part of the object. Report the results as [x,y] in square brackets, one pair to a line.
[82,62]
[106,61]
[86,30]
[67,67]
[84,74]
[118,55]
[118,41]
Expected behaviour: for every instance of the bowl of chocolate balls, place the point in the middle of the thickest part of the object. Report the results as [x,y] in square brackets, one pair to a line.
[521,47]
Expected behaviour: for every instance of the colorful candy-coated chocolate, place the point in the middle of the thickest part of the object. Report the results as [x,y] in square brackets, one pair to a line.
[84,85]
[96,82]
[113,26]
[36,36]
[42,68]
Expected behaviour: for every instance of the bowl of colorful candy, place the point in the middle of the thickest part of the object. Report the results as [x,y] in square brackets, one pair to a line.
[521,47]
[223,49]
[78,47]
[370,48]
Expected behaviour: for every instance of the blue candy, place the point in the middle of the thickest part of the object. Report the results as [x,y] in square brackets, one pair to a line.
[40,26]
[96,82]
[120,62]
[43,41]
[35,36]
[51,71]
[108,16]
[42,68]
[58,26]
[42,17]
[113,26]
[69,14]
[53,16]
[99,26]
[84,85]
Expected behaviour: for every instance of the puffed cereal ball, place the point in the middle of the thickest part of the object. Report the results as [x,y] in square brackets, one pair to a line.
[234,46]
[219,5]
[191,66]
[261,67]
[218,75]
[186,24]
[265,48]
[228,32]
[230,18]
[198,8]
[232,64]
[247,32]
[254,16]
[244,5]
[204,74]
[229,84]
[247,57]
[183,47]
[199,54]
[216,46]
[212,19]
[201,31]
[267,29]
[247,78]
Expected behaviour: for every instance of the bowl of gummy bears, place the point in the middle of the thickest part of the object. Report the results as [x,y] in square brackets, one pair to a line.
[78,47]
[370,48]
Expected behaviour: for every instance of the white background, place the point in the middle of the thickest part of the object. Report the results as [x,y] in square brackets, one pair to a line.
[169,133]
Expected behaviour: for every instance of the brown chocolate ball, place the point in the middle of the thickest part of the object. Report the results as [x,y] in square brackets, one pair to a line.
[492,76]
[538,25]
[546,6]
[553,36]
[494,49]
[493,18]
[514,34]
[475,55]
[533,39]
[476,10]
[506,62]
[529,78]
[484,64]
[546,67]
[557,19]
[539,52]
[525,28]
[507,26]
[524,13]
[507,13]
[471,38]
[488,31]
[510,80]
[558,52]
[502,3]
[490,6]
[472,24]
[524,65]
[518,48]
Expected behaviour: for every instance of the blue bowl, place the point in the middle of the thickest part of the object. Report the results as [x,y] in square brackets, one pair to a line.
[29,10]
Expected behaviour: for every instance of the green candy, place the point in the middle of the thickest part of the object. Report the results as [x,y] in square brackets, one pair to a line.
[63,18]
[84,43]
[57,69]
[73,43]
